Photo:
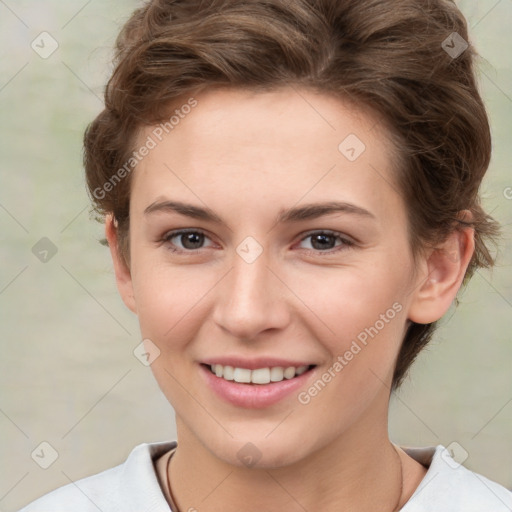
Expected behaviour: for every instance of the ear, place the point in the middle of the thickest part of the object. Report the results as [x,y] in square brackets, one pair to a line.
[442,274]
[122,271]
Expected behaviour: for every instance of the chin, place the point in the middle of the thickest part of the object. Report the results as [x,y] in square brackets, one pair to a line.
[257,452]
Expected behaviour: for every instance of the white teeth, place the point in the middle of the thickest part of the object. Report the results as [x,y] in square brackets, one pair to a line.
[229,373]
[289,373]
[300,370]
[276,374]
[241,375]
[260,376]
[257,376]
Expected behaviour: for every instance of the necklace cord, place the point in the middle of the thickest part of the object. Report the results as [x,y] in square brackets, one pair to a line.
[396,508]
[172,504]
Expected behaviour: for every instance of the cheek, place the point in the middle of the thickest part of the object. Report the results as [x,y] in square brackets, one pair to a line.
[170,302]
[361,302]
[171,309]
[366,314]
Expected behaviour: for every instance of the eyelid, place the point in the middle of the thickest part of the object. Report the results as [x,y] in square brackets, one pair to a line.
[347,241]
[173,233]
[332,232]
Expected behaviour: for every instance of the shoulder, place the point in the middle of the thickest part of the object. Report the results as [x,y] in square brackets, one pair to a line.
[88,494]
[132,485]
[450,487]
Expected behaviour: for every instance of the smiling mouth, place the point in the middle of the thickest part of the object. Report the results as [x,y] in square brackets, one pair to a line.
[259,376]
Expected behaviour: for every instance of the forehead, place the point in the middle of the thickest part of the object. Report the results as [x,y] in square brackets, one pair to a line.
[284,119]
[280,146]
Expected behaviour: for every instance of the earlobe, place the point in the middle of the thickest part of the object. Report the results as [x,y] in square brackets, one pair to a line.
[121,269]
[443,272]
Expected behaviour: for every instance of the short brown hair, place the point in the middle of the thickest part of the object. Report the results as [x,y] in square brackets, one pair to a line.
[391,56]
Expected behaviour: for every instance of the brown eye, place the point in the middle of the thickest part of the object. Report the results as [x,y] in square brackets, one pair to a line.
[185,240]
[326,241]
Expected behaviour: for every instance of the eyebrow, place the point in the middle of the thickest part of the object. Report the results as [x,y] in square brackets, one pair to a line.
[295,214]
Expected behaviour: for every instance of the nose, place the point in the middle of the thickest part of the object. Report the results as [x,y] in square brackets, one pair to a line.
[252,299]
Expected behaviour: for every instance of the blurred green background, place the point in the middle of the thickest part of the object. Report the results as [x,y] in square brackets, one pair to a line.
[67,372]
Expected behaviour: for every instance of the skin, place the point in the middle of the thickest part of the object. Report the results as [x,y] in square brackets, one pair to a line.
[247,156]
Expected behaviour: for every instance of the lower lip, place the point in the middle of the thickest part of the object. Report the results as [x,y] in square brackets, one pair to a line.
[253,396]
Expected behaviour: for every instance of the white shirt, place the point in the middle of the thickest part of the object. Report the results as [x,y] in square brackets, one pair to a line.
[134,487]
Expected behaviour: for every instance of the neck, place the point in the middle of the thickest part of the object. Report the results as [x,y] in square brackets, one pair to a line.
[358,471]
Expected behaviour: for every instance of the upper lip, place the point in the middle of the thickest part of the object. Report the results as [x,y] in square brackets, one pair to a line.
[255,363]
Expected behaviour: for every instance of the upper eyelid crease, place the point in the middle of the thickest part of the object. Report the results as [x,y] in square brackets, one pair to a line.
[346,240]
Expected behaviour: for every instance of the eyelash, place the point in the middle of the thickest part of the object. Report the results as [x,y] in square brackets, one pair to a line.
[346,243]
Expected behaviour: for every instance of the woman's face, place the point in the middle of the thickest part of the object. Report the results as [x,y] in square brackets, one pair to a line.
[296,256]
